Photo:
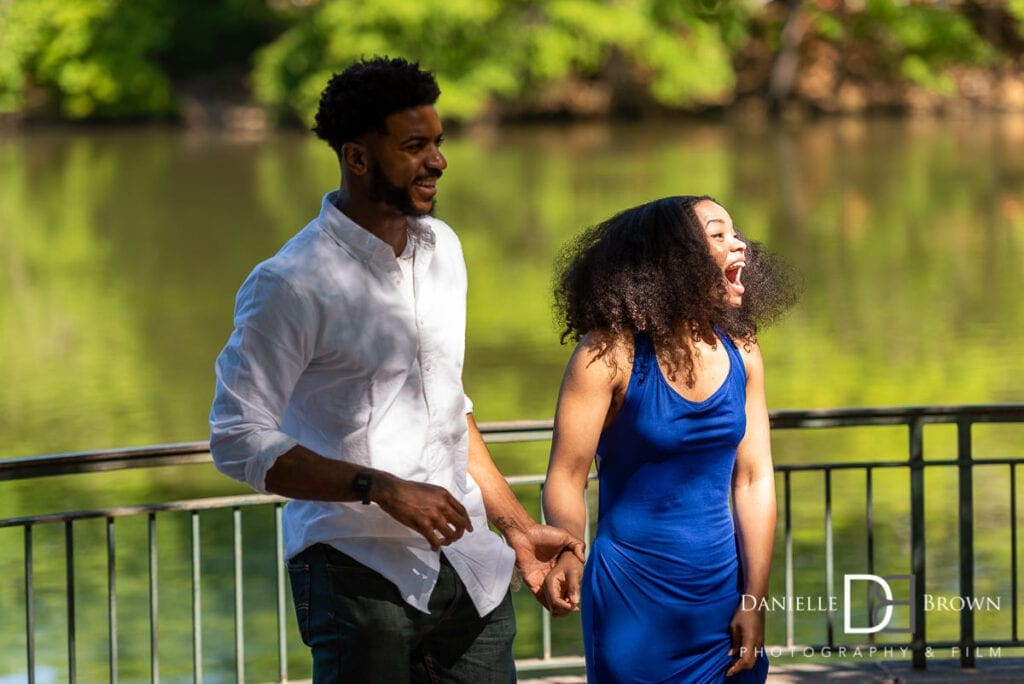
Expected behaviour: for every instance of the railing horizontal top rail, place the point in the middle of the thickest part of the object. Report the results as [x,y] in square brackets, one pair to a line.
[896,415]
[511,431]
[204,504]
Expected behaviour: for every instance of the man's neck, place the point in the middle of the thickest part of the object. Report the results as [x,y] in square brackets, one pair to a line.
[386,223]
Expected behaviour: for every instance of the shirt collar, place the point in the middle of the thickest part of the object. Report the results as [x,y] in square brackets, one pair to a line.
[360,242]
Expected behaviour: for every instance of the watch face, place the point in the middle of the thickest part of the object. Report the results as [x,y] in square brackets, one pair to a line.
[361,484]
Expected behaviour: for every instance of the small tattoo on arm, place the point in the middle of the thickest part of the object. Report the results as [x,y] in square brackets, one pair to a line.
[504,524]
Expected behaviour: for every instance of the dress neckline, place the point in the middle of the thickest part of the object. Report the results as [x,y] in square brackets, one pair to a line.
[676,393]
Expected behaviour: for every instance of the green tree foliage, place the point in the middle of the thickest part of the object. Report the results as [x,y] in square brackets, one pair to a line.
[88,58]
[118,58]
[491,51]
[922,41]
[134,58]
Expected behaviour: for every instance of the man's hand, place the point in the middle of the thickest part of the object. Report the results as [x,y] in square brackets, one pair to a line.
[747,630]
[537,548]
[430,510]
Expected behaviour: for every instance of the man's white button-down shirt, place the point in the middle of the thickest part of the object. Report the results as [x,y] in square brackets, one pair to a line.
[328,351]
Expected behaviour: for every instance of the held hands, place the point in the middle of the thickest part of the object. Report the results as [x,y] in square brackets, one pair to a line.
[430,510]
[562,585]
[747,630]
[537,548]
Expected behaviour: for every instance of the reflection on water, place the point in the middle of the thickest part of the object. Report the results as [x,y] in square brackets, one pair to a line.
[121,251]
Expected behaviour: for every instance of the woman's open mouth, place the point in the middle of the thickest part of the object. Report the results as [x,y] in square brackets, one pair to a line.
[732,278]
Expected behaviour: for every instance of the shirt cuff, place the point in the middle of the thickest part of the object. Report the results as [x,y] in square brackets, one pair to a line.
[266,456]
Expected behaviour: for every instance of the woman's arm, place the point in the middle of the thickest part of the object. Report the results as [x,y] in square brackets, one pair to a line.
[536,546]
[753,491]
[586,402]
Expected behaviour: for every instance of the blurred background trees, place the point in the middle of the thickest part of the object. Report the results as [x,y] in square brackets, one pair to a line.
[499,59]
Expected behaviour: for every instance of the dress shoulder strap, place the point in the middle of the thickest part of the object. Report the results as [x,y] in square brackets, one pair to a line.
[643,350]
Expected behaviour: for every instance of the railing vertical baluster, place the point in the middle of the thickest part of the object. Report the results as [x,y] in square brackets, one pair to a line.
[966,516]
[545,617]
[197,604]
[154,604]
[239,631]
[917,542]
[788,489]
[829,556]
[869,496]
[282,606]
[30,613]
[69,550]
[1013,550]
[112,599]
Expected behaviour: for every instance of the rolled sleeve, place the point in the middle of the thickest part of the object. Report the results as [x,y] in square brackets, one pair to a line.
[256,373]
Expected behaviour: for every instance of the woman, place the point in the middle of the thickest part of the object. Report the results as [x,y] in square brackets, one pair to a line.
[666,388]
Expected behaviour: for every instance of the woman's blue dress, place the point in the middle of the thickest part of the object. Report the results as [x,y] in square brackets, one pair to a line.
[662,581]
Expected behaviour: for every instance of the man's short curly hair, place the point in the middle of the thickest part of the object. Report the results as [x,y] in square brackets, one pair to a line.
[361,97]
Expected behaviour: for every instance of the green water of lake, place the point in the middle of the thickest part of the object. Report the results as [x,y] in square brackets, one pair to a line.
[121,252]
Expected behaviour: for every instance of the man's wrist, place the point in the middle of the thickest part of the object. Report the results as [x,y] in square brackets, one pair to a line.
[362,484]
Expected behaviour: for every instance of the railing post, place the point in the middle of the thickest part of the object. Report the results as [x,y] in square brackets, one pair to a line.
[197,603]
[112,599]
[239,599]
[917,542]
[790,580]
[30,613]
[282,604]
[69,552]
[1013,552]
[154,603]
[966,516]
[545,616]
[830,565]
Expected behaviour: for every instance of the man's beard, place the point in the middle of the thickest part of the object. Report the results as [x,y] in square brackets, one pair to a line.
[381,190]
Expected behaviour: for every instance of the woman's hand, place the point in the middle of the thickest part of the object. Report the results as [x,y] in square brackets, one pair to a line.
[747,631]
[537,548]
[562,585]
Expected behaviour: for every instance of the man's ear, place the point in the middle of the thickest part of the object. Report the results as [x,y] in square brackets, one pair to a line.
[355,158]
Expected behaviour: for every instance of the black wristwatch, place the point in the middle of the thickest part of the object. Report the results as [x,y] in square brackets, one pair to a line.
[361,484]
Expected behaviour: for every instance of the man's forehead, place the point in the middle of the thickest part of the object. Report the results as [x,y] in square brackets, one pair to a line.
[421,121]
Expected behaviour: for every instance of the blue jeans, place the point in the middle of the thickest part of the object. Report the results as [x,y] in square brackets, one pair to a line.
[361,630]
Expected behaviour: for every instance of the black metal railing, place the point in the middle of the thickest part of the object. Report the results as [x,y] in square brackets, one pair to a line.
[913,463]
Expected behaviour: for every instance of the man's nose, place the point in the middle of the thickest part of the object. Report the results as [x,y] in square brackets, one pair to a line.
[436,160]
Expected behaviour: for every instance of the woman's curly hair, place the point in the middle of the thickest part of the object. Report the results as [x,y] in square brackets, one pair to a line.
[360,98]
[648,270]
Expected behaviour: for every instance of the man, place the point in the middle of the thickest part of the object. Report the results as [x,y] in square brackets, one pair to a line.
[341,388]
